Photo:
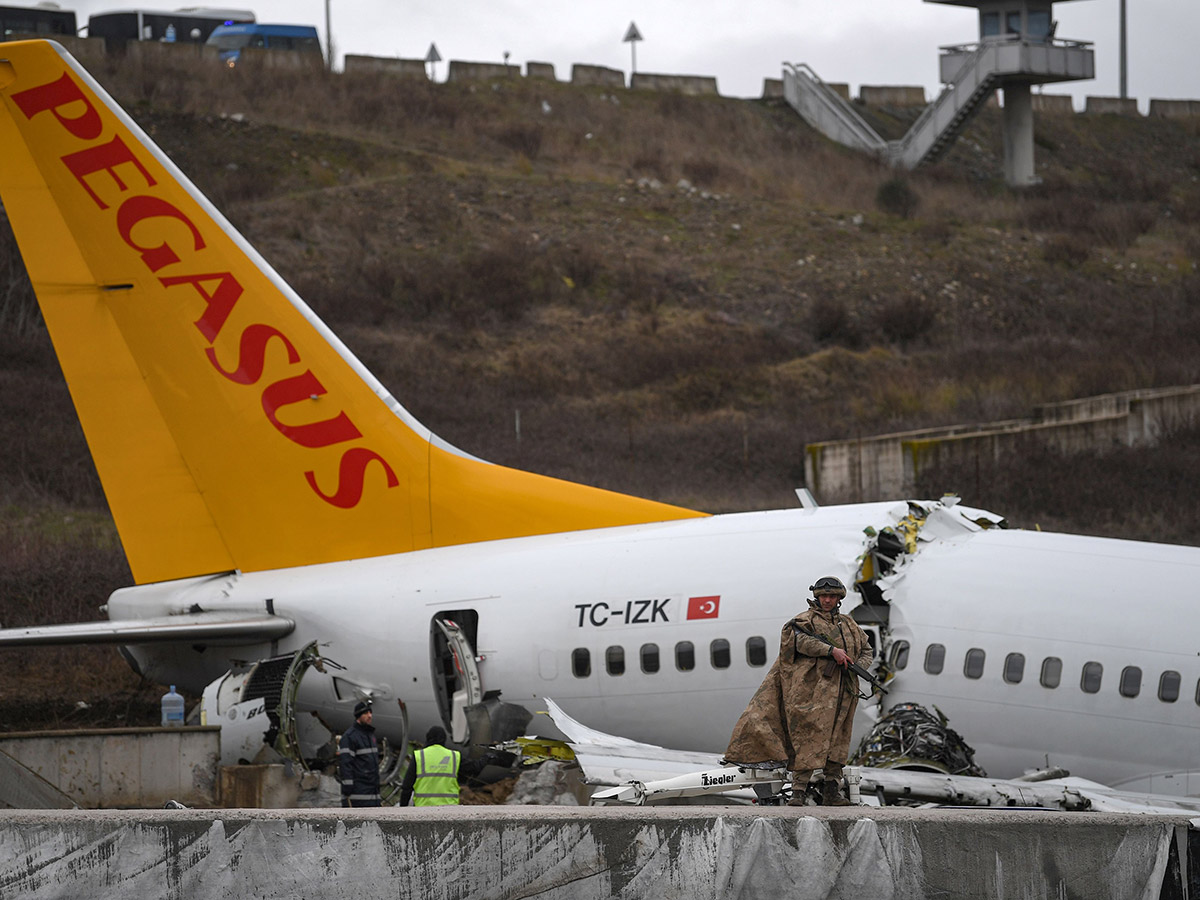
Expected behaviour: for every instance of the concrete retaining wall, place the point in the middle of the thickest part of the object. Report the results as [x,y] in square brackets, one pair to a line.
[1111,106]
[391,65]
[175,50]
[123,767]
[892,95]
[558,853]
[88,51]
[478,71]
[597,75]
[694,85]
[280,60]
[1053,104]
[540,70]
[1175,109]
[887,466]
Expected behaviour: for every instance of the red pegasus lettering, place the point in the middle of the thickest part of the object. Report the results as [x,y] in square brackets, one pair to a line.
[104,158]
[134,210]
[252,352]
[316,434]
[58,94]
[351,473]
[219,304]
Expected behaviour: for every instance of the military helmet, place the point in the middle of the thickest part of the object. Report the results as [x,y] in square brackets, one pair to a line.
[828,585]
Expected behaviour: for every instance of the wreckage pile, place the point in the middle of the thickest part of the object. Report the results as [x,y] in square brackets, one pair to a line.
[911,737]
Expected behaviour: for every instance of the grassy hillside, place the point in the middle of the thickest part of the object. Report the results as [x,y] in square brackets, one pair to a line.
[676,294]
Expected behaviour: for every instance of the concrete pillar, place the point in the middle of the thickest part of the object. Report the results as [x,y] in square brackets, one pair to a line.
[1018,134]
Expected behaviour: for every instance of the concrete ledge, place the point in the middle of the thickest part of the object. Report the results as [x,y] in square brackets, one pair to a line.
[693,85]
[597,75]
[578,854]
[1111,106]
[390,65]
[478,71]
[1175,109]
[1053,104]
[892,95]
[115,767]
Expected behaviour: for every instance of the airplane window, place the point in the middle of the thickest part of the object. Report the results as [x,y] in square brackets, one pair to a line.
[1014,668]
[649,658]
[756,651]
[973,667]
[899,655]
[1168,687]
[1051,671]
[1131,681]
[719,652]
[1092,672]
[581,662]
[614,660]
[685,656]
[935,658]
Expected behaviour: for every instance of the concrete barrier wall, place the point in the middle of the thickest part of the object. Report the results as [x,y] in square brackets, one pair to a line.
[175,50]
[280,60]
[772,89]
[693,85]
[585,75]
[478,71]
[892,95]
[1053,104]
[87,50]
[540,70]
[390,65]
[1111,106]
[107,768]
[1175,109]
[887,466]
[562,853]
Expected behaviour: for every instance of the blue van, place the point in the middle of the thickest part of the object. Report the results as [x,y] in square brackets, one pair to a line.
[232,39]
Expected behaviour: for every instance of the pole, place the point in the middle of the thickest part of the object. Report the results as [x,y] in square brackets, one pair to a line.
[1124,80]
[329,41]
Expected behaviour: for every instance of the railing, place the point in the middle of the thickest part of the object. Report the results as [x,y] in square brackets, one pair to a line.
[817,103]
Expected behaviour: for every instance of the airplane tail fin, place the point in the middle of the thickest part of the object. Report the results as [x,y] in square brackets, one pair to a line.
[230,427]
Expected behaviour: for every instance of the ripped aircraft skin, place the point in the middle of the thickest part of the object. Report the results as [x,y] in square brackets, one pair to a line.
[269,492]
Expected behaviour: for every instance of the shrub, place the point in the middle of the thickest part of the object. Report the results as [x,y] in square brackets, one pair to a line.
[897,198]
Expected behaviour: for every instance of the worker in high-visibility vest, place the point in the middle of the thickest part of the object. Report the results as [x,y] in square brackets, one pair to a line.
[433,776]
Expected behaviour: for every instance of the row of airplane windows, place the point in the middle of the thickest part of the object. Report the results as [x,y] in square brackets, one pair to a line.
[720,655]
[1013,672]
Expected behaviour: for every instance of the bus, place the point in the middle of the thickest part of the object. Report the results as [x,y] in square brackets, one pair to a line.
[232,39]
[45,19]
[191,25]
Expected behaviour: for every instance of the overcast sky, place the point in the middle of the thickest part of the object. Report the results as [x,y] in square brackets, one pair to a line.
[855,41]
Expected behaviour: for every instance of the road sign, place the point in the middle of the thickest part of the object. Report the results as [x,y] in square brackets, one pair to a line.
[433,56]
[632,34]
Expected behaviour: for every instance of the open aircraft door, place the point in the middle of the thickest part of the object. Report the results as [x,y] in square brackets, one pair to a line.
[456,680]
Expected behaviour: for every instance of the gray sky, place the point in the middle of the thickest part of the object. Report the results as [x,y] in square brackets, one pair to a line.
[855,41]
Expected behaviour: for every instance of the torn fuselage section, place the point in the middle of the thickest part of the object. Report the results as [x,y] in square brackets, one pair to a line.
[888,551]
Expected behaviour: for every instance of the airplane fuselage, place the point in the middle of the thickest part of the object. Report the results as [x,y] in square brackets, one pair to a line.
[661,633]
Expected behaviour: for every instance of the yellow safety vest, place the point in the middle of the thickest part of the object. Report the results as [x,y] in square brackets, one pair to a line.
[437,776]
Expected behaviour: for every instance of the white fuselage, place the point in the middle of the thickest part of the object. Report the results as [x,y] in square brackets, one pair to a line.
[621,596]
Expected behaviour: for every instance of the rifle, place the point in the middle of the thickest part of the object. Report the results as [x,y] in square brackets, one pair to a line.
[852,666]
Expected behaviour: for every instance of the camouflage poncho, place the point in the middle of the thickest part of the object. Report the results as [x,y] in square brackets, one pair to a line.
[799,717]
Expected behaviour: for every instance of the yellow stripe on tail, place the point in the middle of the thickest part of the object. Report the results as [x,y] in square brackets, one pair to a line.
[231,429]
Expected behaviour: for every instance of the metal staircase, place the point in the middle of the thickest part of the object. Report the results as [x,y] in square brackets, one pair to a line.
[970,74]
[825,110]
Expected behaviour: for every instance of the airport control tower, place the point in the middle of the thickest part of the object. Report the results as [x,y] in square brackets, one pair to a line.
[1017,48]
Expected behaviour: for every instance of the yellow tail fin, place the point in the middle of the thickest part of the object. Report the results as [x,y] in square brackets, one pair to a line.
[231,429]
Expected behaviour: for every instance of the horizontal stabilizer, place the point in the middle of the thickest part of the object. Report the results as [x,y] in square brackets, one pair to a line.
[216,628]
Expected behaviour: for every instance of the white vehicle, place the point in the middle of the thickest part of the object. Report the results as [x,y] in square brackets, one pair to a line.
[270,493]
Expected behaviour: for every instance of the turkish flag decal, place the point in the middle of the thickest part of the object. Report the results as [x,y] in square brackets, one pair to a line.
[703,607]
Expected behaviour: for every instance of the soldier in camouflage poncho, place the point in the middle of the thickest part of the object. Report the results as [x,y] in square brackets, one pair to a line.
[800,716]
